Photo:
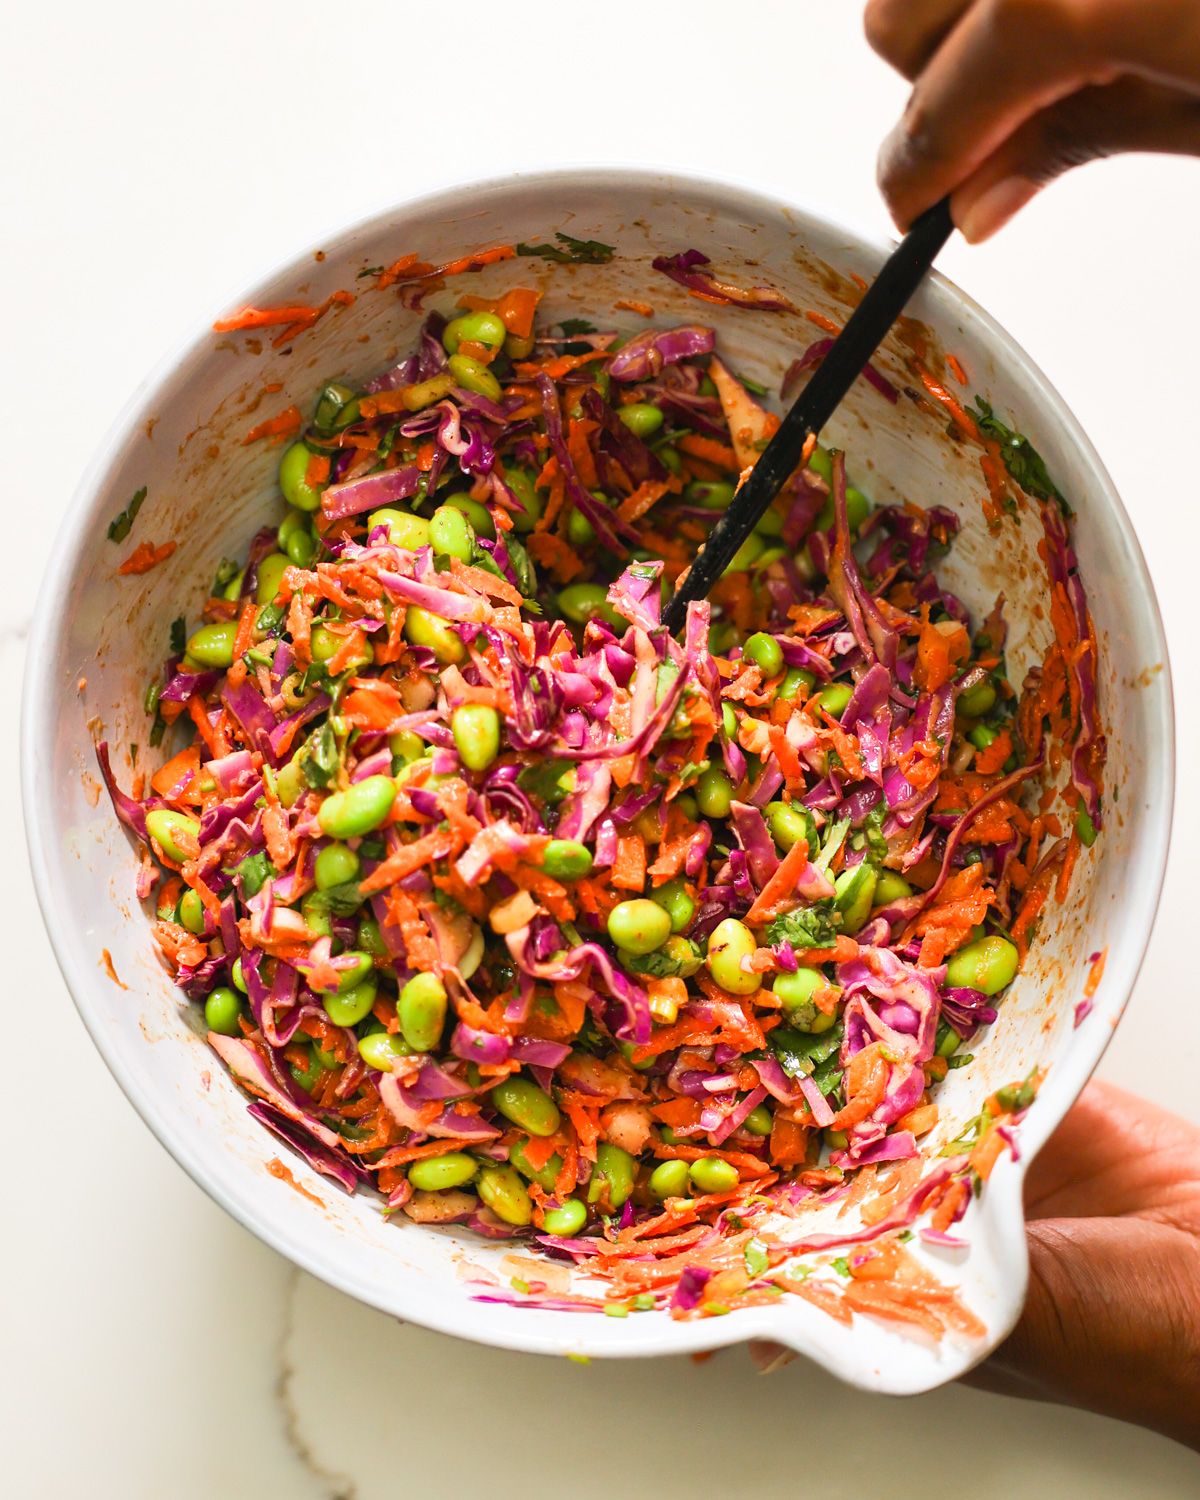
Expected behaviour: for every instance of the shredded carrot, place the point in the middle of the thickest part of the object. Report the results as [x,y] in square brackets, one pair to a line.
[285,425]
[146,556]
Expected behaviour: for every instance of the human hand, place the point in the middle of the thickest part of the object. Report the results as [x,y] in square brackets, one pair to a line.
[1008,94]
[1112,1319]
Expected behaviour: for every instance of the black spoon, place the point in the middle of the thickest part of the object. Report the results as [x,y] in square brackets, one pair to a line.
[866,328]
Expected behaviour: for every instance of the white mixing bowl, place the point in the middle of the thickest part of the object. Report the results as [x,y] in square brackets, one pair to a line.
[181,437]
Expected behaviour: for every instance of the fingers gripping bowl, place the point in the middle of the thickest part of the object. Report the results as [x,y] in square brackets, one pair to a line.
[209,491]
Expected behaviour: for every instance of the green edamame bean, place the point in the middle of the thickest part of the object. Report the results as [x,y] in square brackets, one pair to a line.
[337,407]
[854,891]
[270,576]
[976,701]
[821,463]
[787,825]
[422,628]
[794,679]
[191,911]
[520,481]
[948,1040]
[988,965]
[770,523]
[759,1121]
[238,977]
[290,782]
[212,645]
[292,469]
[473,376]
[834,698]
[233,589]
[504,1193]
[669,1180]
[348,1007]
[326,644]
[687,806]
[709,494]
[566,1220]
[301,548]
[543,1176]
[675,901]
[765,652]
[712,1175]
[580,531]
[451,534]
[307,1077]
[746,555]
[768,556]
[380,1049]
[521,1101]
[982,736]
[565,859]
[478,515]
[837,1140]
[406,746]
[519,348]
[436,1173]
[474,328]
[795,992]
[422,1011]
[729,942]
[294,521]
[167,827]
[357,810]
[476,731]
[351,978]
[640,926]
[616,1168]
[580,601]
[858,507]
[641,418]
[336,864]
[221,1012]
[404,530]
[890,887]
[316,916]
[714,793]
[729,721]
[328,1060]
[370,939]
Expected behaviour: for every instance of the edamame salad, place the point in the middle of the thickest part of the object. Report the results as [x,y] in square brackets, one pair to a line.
[507,906]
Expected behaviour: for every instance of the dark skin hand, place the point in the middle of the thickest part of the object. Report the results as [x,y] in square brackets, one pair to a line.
[1112,1318]
[1009,94]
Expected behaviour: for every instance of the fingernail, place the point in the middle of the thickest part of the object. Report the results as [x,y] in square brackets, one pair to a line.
[980,218]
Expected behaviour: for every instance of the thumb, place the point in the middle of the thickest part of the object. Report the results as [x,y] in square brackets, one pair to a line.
[1095,122]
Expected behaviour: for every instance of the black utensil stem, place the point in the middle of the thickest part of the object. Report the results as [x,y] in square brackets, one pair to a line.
[866,328]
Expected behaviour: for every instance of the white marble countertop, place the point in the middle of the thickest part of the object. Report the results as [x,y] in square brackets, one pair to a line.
[154,155]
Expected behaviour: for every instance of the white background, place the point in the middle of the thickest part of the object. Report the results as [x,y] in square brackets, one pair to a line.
[152,155]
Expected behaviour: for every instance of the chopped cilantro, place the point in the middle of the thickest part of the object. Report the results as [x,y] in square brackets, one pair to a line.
[756,1258]
[226,572]
[369,271]
[573,327]
[178,635]
[320,761]
[123,525]
[1022,460]
[577,252]
[810,927]
[841,1265]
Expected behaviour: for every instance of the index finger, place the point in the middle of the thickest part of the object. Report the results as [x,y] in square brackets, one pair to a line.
[1000,64]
